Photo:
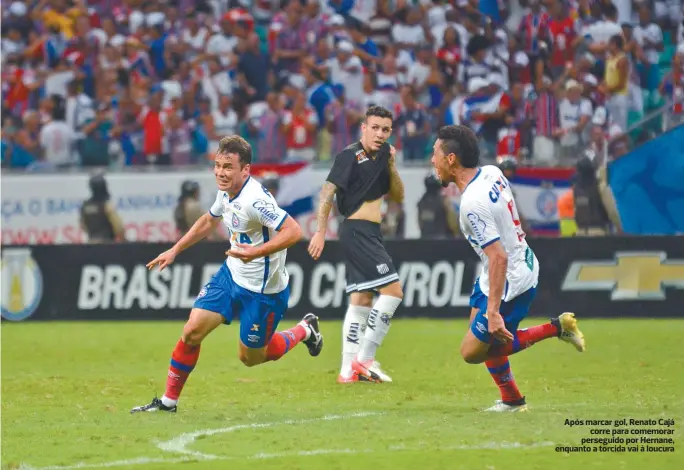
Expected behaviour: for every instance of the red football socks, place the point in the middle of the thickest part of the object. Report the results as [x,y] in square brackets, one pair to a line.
[183,361]
[283,341]
[500,369]
[523,339]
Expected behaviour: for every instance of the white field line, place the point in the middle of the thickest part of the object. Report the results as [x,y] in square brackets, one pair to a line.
[179,445]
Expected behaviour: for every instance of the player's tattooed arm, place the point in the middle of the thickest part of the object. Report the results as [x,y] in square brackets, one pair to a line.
[396,190]
[325,205]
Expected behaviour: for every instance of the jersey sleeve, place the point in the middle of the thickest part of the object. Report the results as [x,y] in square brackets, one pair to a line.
[216,209]
[341,170]
[482,224]
[266,211]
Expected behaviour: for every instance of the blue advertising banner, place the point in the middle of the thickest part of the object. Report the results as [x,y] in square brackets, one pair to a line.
[648,185]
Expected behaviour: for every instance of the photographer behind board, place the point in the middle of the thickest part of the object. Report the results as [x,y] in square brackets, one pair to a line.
[436,216]
[99,220]
[595,211]
[189,209]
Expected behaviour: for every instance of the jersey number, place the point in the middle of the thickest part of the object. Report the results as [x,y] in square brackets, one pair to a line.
[516,219]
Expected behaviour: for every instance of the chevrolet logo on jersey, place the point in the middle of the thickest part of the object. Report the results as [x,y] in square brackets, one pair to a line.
[631,276]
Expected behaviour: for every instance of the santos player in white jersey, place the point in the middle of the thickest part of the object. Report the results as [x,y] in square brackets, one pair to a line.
[503,292]
[252,283]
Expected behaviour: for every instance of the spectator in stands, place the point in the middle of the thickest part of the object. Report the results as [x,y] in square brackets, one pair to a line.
[299,126]
[574,113]
[150,118]
[253,72]
[343,119]
[649,36]
[178,138]
[672,88]
[533,28]
[291,43]
[129,55]
[449,56]
[563,38]
[267,128]
[98,131]
[57,139]
[221,122]
[616,82]
[544,112]
[26,147]
[413,125]
[346,69]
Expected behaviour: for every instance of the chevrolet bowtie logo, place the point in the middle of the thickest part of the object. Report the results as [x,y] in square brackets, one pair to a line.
[631,276]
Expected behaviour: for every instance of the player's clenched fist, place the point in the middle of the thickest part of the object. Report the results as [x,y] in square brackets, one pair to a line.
[393,155]
[163,260]
[316,245]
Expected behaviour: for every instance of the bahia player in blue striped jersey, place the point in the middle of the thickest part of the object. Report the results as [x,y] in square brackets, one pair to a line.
[252,283]
[503,293]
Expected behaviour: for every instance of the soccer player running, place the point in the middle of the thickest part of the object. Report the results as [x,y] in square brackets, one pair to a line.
[360,176]
[503,292]
[253,281]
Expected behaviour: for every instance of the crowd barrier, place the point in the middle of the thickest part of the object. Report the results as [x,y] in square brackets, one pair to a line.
[42,209]
[594,277]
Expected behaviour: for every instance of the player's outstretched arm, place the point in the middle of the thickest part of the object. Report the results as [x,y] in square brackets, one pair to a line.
[199,230]
[324,207]
[396,191]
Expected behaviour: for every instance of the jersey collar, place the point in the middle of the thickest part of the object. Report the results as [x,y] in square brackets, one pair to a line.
[238,193]
[479,170]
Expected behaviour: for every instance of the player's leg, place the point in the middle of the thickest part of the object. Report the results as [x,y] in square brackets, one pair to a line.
[475,344]
[354,326]
[368,268]
[259,318]
[186,353]
[563,327]
[478,345]
[211,308]
[378,326]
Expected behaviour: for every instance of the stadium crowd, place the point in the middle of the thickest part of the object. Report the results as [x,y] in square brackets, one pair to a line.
[119,83]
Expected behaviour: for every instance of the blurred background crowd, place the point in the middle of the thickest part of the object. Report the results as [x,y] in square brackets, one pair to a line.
[118,83]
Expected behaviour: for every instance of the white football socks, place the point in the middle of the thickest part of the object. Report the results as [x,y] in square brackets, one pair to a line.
[352,331]
[377,327]
[168,401]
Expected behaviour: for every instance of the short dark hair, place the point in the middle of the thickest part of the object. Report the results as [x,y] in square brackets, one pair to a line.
[238,145]
[617,40]
[462,142]
[380,112]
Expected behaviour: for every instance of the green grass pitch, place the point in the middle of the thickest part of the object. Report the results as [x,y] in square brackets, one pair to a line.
[67,389]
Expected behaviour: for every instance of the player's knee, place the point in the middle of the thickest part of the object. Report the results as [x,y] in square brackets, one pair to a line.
[251,360]
[192,334]
[470,356]
[362,299]
[393,290]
